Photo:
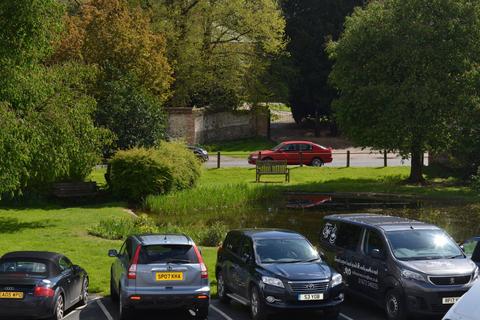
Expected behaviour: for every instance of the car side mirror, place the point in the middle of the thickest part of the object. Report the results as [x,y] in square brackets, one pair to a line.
[377,254]
[112,253]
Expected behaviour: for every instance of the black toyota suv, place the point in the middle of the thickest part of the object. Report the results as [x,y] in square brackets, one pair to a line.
[405,266]
[271,270]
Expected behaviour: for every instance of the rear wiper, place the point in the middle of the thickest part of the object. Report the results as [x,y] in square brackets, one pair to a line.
[177,261]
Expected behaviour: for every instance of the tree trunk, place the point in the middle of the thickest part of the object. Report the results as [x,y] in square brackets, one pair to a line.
[317,123]
[416,169]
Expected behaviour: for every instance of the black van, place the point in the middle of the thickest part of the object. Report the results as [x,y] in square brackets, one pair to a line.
[405,266]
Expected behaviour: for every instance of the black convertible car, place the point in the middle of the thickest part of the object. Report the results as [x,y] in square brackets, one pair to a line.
[40,285]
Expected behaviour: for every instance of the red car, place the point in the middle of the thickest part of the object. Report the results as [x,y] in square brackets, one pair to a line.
[295,152]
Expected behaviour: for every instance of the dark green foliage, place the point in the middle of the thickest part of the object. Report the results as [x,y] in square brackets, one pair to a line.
[130,111]
[407,71]
[310,24]
[137,173]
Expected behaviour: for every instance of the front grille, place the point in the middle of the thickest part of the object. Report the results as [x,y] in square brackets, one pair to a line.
[309,286]
[450,281]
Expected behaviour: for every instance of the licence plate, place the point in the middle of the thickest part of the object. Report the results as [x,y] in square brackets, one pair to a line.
[451,300]
[310,297]
[11,295]
[169,276]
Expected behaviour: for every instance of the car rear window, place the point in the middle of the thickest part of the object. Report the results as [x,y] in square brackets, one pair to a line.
[167,253]
[23,266]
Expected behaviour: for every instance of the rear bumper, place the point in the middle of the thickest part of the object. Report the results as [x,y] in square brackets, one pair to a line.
[28,308]
[164,302]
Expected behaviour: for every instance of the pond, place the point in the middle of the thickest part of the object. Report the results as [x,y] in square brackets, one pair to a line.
[459,219]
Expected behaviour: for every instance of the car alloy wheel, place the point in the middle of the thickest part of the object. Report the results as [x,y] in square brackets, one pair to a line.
[84,297]
[317,162]
[59,308]
[220,286]
[254,303]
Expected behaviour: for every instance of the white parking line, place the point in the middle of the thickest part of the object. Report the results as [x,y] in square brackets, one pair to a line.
[74,311]
[105,311]
[345,316]
[220,312]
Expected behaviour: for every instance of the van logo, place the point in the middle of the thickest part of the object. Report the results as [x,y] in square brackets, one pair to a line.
[9,288]
[169,268]
[310,286]
[452,280]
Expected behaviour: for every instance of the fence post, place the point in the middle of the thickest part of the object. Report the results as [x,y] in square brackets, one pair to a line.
[348,158]
[385,158]
[218,160]
[301,159]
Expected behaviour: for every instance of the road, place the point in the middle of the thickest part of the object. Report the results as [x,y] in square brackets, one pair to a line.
[104,309]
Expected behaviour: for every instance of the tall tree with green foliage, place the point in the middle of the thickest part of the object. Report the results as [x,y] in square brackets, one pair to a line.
[219,49]
[310,25]
[46,128]
[407,72]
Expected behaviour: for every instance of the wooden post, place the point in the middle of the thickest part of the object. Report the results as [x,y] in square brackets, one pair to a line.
[348,158]
[385,158]
[218,160]
[301,159]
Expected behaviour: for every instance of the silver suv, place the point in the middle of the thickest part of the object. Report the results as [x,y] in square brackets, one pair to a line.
[160,271]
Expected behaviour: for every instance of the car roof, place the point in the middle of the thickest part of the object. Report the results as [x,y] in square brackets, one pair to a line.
[36,255]
[173,238]
[299,141]
[384,222]
[257,234]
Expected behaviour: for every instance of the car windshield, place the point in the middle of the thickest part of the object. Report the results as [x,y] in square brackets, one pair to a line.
[22,266]
[422,245]
[285,251]
[167,253]
[278,147]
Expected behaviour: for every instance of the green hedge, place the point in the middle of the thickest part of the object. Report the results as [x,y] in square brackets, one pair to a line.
[137,173]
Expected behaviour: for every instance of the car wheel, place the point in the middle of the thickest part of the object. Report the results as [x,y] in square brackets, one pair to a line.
[257,307]
[123,311]
[84,293]
[59,309]
[221,288]
[113,291]
[202,313]
[317,162]
[394,306]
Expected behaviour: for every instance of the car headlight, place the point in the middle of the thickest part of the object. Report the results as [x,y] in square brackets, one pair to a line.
[273,282]
[336,280]
[475,274]
[408,274]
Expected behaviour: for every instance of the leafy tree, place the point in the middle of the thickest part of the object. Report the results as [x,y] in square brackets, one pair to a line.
[219,49]
[310,25]
[46,129]
[407,72]
[134,74]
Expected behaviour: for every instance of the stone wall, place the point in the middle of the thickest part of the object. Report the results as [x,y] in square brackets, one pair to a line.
[199,126]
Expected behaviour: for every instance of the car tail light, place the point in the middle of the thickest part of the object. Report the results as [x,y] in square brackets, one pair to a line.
[43,292]
[203,267]
[132,271]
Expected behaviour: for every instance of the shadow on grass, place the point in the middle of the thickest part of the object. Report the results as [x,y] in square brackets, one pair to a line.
[13,225]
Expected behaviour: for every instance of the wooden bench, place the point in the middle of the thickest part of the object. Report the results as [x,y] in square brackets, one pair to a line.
[75,189]
[271,167]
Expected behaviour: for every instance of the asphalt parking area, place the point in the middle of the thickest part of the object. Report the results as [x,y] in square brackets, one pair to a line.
[99,308]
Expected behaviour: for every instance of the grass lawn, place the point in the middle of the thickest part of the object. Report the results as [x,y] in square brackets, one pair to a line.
[64,230]
[240,148]
[279,107]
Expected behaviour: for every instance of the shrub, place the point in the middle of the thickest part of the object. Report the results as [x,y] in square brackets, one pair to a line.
[476,180]
[139,172]
[186,168]
[120,229]
[213,235]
